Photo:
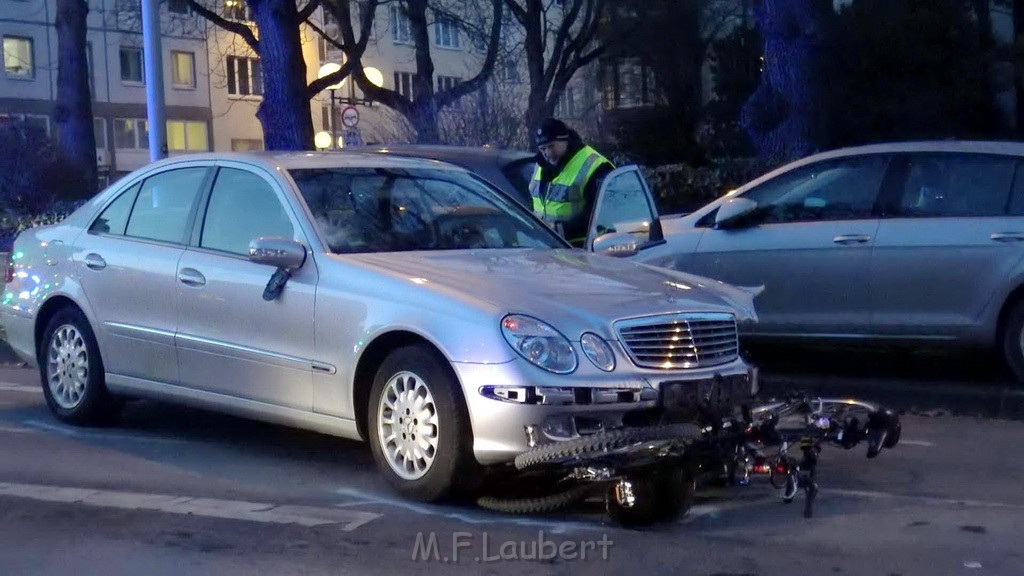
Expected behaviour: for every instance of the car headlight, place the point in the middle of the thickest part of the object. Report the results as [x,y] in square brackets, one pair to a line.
[599,352]
[539,343]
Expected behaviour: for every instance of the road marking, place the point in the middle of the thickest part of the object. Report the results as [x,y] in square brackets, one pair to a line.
[349,520]
[924,499]
[97,435]
[485,517]
[916,443]
[15,429]
[12,387]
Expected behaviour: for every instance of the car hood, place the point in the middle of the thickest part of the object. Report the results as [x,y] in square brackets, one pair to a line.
[567,288]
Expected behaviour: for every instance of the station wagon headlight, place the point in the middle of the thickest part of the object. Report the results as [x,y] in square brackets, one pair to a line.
[599,352]
[539,343]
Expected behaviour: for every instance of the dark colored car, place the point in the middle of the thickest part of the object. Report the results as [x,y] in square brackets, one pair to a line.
[509,170]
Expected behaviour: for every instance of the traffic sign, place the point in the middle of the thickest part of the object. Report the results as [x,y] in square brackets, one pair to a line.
[350,116]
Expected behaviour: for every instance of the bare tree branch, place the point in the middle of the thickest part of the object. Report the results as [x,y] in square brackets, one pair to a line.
[311,7]
[242,30]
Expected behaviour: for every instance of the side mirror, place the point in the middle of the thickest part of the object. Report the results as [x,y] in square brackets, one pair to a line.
[733,212]
[277,252]
[621,245]
[285,255]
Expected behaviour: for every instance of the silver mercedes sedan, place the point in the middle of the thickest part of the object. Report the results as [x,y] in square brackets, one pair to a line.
[403,302]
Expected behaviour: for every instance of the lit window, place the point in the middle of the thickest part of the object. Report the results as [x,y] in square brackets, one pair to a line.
[131,134]
[187,136]
[237,10]
[18,61]
[183,68]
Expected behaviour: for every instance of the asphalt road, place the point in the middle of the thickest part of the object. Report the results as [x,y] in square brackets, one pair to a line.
[176,491]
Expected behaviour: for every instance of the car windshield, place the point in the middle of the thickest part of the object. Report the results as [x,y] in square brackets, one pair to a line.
[399,209]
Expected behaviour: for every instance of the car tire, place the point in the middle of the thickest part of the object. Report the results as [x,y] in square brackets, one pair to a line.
[72,374]
[418,426]
[1013,342]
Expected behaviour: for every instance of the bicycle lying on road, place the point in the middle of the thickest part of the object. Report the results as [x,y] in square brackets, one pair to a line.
[648,474]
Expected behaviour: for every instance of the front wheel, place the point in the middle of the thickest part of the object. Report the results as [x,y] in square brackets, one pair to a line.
[1013,341]
[419,428]
[72,374]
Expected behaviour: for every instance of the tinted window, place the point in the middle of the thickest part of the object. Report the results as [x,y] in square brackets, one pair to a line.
[162,209]
[843,189]
[114,217]
[950,185]
[624,207]
[383,209]
[242,207]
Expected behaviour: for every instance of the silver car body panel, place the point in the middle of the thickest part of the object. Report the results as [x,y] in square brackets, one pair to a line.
[921,279]
[296,358]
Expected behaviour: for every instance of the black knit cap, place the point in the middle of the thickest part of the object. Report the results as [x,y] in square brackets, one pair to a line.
[549,130]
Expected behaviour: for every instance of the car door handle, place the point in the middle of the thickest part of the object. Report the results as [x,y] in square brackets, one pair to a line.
[191,277]
[94,261]
[851,239]
[1007,236]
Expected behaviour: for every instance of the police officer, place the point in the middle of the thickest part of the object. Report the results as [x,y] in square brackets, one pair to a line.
[565,183]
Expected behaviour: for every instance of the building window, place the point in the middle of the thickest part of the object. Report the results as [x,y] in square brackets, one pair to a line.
[187,136]
[183,69]
[446,31]
[447,82]
[18,57]
[32,122]
[403,84]
[131,134]
[178,7]
[99,126]
[245,76]
[628,83]
[237,10]
[89,69]
[508,71]
[246,144]
[566,105]
[401,28]
[131,64]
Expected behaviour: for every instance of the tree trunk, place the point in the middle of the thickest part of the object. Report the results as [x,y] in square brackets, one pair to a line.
[785,116]
[424,117]
[74,101]
[284,113]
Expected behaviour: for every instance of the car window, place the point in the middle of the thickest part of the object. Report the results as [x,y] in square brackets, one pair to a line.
[844,189]
[519,174]
[386,209]
[114,217]
[1017,197]
[242,207]
[624,206]
[164,203]
[956,185]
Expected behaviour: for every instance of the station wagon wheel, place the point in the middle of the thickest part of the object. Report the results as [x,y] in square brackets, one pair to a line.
[418,425]
[1012,344]
[72,371]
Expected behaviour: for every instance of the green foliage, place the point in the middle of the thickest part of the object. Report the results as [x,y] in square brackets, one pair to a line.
[682,188]
[34,172]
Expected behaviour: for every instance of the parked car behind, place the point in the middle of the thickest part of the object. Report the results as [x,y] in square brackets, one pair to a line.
[916,242]
[508,169]
[400,301]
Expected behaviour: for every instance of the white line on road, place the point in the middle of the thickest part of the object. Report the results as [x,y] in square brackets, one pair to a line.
[12,387]
[924,499]
[916,443]
[91,434]
[555,527]
[15,429]
[209,507]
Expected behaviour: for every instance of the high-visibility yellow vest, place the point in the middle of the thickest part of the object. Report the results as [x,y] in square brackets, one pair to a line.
[564,195]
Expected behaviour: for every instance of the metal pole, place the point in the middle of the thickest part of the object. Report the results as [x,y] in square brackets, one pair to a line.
[334,122]
[155,110]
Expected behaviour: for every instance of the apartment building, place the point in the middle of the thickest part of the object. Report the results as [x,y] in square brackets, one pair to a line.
[213,81]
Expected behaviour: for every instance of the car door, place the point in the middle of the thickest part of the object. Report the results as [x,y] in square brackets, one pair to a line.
[951,238]
[230,340]
[624,216]
[808,244]
[127,262]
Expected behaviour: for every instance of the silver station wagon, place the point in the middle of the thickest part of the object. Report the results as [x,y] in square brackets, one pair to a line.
[403,302]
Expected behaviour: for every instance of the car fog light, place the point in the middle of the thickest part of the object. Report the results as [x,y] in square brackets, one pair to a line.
[560,427]
[599,352]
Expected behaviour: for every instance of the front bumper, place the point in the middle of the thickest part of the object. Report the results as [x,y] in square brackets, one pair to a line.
[507,412]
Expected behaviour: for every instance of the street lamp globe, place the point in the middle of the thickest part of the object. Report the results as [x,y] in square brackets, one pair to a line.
[374,76]
[328,69]
[322,140]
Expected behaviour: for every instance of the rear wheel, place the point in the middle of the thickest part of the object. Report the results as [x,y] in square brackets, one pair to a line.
[419,428]
[1013,341]
[72,372]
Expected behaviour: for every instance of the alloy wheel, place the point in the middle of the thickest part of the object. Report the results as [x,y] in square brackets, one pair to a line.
[408,425]
[67,370]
